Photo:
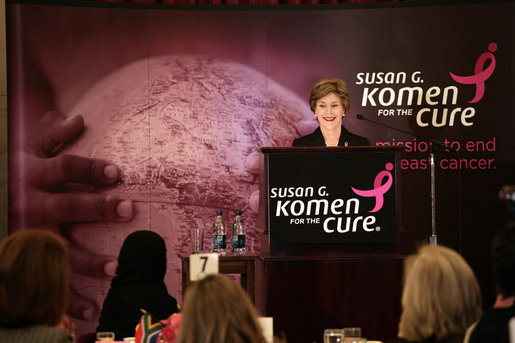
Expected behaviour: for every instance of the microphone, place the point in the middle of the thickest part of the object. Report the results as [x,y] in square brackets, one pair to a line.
[441,145]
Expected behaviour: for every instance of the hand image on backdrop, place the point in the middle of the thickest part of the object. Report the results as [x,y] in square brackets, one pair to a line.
[46,179]
[48,188]
[43,195]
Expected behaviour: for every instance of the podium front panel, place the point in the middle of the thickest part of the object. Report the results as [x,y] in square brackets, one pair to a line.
[331,196]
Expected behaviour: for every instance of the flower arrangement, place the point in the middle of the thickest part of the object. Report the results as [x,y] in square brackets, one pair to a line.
[171,329]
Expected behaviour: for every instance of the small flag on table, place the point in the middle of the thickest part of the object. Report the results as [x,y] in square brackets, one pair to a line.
[148,329]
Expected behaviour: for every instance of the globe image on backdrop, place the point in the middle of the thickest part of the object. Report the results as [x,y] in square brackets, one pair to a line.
[184,131]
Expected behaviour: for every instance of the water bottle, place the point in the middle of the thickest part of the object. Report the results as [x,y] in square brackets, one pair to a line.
[219,234]
[238,235]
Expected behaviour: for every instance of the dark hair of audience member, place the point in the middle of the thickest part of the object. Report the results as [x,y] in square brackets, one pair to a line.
[217,310]
[503,252]
[34,279]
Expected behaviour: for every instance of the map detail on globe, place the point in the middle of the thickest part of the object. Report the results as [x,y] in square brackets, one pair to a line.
[184,131]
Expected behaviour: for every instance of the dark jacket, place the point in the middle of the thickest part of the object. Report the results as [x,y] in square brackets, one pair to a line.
[138,284]
[316,138]
[493,326]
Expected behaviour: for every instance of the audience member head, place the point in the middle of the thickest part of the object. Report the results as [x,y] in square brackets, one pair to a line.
[217,310]
[503,254]
[142,259]
[441,295]
[326,86]
[34,279]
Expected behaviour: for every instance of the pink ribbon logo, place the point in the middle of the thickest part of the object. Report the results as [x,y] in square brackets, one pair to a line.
[480,74]
[379,188]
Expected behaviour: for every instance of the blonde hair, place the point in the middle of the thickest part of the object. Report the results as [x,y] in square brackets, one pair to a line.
[326,86]
[217,310]
[34,279]
[441,295]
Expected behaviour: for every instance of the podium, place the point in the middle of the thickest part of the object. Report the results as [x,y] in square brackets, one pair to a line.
[329,222]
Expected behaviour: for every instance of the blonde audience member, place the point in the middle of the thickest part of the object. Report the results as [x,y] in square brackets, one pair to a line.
[441,297]
[34,283]
[217,310]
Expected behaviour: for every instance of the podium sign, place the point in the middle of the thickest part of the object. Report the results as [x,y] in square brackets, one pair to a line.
[331,195]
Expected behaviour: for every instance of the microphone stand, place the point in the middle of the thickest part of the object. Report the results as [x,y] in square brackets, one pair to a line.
[433,238]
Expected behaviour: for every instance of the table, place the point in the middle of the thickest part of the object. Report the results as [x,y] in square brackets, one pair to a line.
[229,264]
[351,289]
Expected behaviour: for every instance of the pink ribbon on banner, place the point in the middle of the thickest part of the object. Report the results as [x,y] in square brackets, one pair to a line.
[379,188]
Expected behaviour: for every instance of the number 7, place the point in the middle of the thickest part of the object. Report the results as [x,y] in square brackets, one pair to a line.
[204,264]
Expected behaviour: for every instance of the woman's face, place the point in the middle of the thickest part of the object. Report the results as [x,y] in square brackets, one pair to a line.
[329,111]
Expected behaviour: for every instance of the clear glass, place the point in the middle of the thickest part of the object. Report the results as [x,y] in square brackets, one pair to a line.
[355,340]
[352,332]
[197,240]
[105,336]
[333,336]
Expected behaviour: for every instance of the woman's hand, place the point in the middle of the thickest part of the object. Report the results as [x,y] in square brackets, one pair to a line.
[48,190]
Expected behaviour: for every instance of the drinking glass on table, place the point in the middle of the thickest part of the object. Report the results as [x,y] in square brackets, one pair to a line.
[353,335]
[333,336]
[197,240]
[352,332]
[105,336]
[355,340]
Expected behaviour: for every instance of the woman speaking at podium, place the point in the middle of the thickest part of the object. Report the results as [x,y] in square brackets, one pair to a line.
[329,100]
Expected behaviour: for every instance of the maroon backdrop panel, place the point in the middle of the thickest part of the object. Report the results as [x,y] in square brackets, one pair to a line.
[180,98]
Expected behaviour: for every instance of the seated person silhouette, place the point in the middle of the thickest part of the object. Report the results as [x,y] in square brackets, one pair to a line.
[493,326]
[138,284]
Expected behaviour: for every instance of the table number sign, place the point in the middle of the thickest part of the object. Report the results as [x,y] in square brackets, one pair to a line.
[202,265]
[267,325]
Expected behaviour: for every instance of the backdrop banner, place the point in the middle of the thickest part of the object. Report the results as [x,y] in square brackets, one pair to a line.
[179,98]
